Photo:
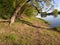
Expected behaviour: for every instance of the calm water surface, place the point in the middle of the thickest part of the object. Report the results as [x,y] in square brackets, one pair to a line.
[54,21]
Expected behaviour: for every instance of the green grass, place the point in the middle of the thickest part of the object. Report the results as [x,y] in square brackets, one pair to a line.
[11,37]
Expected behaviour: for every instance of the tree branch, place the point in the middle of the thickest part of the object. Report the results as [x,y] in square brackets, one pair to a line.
[36,9]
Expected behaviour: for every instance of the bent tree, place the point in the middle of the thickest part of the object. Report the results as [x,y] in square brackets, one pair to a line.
[12,19]
[39,5]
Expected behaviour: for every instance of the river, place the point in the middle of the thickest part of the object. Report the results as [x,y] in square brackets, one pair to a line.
[54,21]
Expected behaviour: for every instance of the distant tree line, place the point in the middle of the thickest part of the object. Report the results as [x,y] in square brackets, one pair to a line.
[55,12]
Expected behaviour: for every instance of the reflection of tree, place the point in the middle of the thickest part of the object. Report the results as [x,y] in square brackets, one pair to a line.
[55,15]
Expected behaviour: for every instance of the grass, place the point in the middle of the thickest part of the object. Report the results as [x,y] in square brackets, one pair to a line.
[11,37]
[57,28]
[20,33]
[45,21]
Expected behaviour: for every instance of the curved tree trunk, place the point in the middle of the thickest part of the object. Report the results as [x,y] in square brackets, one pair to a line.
[17,9]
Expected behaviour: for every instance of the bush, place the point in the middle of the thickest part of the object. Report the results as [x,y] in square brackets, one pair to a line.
[43,14]
[55,12]
[57,28]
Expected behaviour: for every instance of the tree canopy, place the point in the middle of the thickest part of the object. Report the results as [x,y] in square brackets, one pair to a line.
[10,8]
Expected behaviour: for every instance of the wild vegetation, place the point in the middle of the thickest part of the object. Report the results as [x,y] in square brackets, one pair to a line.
[26,29]
[14,8]
[57,28]
[28,32]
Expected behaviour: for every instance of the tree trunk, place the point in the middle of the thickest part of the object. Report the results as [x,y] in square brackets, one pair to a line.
[17,9]
[20,14]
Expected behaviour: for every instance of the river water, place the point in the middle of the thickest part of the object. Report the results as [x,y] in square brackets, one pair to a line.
[54,21]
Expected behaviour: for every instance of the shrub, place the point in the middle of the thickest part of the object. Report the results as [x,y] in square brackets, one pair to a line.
[55,13]
[57,28]
[43,14]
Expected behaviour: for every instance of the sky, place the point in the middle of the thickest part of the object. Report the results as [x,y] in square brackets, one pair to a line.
[57,4]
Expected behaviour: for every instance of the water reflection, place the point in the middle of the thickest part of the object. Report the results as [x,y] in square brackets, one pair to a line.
[54,20]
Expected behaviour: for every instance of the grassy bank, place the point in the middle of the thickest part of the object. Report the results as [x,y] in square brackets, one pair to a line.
[28,31]
[57,28]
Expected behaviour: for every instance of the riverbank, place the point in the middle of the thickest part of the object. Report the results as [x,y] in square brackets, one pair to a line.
[28,31]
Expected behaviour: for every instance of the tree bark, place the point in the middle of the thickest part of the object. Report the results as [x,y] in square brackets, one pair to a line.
[20,14]
[17,9]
